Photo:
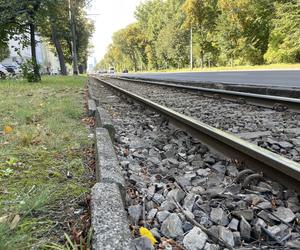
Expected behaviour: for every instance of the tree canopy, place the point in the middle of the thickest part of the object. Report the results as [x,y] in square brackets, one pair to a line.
[225,32]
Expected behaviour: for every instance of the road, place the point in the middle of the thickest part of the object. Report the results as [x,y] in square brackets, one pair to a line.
[278,78]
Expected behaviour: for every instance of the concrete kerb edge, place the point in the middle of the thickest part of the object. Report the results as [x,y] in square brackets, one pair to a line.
[91,107]
[103,120]
[109,218]
[90,92]
[108,168]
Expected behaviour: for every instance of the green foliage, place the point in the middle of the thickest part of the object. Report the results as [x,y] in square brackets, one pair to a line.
[46,15]
[243,30]
[4,52]
[225,32]
[201,16]
[284,45]
[57,13]
[28,72]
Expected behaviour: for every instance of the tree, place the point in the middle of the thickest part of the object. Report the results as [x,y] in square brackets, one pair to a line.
[224,32]
[22,18]
[151,18]
[172,50]
[53,22]
[56,28]
[201,16]
[243,30]
[19,18]
[173,38]
[4,52]
[284,42]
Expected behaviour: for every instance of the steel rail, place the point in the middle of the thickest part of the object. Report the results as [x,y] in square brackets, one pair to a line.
[251,156]
[270,101]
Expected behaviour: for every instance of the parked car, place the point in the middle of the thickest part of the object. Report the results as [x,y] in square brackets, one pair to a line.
[111,70]
[12,69]
[3,72]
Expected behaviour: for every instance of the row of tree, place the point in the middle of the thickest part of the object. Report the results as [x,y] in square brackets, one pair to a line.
[23,19]
[224,32]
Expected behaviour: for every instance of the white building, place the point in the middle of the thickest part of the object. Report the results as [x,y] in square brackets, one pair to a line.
[45,57]
[92,62]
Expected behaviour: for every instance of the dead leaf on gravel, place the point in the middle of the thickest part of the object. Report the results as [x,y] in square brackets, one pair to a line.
[167,242]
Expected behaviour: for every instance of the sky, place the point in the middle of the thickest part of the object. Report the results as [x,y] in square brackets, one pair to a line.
[112,16]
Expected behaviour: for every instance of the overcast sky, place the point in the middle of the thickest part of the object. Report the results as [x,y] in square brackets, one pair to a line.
[113,15]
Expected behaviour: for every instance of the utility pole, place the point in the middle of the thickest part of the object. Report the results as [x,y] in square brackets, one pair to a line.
[191,49]
[74,47]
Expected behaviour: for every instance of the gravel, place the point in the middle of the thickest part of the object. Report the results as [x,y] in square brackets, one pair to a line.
[195,239]
[162,164]
[172,226]
[276,131]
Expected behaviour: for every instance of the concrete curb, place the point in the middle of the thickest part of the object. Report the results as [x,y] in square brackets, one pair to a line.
[92,89]
[107,165]
[90,92]
[91,107]
[103,120]
[109,219]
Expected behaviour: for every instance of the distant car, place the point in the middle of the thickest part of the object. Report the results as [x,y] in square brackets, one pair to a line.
[12,69]
[125,71]
[111,70]
[3,72]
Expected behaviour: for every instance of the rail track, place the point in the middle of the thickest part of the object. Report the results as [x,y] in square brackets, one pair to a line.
[214,192]
[252,156]
[277,131]
[270,101]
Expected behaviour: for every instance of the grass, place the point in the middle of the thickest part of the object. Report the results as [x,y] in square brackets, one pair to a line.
[235,68]
[43,172]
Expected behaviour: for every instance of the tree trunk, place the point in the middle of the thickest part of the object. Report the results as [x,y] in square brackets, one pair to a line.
[202,59]
[33,52]
[61,58]
[74,38]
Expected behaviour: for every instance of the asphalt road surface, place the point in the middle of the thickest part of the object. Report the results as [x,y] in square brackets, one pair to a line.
[282,78]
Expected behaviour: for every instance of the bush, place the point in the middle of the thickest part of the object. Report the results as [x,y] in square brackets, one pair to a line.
[29,73]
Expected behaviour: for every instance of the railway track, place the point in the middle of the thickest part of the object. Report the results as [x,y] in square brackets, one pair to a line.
[213,188]
[270,101]
[277,131]
[274,165]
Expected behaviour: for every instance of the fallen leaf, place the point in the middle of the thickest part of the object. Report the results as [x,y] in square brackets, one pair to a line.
[147,233]
[15,222]
[8,129]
